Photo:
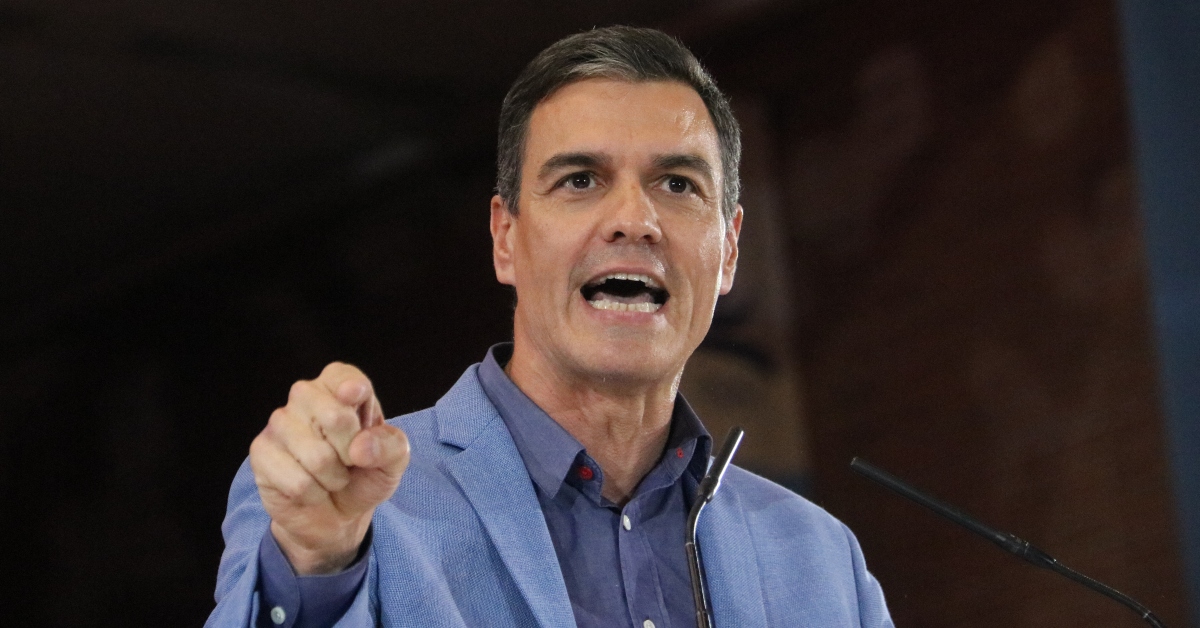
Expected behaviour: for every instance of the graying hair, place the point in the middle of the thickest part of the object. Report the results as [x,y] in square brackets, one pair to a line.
[617,52]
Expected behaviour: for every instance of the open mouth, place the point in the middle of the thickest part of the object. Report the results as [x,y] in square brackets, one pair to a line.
[625,292]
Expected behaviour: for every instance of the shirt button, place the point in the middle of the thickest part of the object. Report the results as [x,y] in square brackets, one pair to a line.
[627,524]
[278,615]
[647,624]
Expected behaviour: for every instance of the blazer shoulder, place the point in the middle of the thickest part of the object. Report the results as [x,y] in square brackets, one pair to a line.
[457,419]
[767,501]
[755,488]
[419,424]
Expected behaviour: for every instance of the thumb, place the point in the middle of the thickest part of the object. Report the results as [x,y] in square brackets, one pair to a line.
[379,456]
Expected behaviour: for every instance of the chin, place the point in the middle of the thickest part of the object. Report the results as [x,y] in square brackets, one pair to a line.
[632,362]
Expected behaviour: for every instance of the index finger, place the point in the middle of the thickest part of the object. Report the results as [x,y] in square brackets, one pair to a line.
[350,386]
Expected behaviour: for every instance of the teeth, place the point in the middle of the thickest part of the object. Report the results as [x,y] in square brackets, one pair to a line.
[628,277]
[602,304]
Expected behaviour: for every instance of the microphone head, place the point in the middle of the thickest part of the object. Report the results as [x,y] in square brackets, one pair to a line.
[712,480]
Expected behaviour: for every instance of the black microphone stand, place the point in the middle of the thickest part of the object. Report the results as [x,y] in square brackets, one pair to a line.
[1008,542]
[704,494]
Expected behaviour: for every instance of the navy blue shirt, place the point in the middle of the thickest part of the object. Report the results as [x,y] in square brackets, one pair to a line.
[623,566]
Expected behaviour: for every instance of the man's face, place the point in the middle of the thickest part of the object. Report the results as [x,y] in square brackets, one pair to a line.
[620,249]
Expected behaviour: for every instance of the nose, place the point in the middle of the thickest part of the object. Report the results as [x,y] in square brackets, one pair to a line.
[632,217]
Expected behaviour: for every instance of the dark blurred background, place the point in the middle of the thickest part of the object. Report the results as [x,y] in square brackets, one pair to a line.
[969,256]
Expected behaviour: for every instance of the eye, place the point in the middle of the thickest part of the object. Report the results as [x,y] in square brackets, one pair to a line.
[579,180]
[678,185]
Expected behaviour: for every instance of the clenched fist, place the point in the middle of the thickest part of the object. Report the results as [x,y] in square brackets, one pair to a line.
[322,465]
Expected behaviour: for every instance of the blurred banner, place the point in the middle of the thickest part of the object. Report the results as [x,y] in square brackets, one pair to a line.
[1162,48]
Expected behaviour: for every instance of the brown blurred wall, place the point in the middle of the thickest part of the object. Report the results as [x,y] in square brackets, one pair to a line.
[969,277]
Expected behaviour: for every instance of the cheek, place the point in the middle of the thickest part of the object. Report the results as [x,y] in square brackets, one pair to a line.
[709,258]
[546,261]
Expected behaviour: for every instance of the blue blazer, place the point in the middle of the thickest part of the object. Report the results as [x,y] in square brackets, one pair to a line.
[463,542]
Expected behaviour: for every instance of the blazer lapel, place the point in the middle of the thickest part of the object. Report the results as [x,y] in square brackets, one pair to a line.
[728,553]
[491,473]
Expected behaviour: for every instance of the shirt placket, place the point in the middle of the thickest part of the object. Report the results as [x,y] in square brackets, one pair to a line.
[639,574]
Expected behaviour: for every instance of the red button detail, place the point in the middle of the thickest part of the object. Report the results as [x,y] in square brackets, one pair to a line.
[585,473]
[679,452]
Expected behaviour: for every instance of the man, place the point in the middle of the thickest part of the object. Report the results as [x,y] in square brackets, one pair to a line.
[549,487]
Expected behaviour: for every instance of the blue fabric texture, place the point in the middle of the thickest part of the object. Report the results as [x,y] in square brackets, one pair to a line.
[305,601]
[463,542]
[614,576]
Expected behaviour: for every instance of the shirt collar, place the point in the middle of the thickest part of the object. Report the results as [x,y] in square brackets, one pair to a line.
[688,436]
[550,452]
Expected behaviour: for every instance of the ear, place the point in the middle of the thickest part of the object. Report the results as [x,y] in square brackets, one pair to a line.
[502,246]
[733,229]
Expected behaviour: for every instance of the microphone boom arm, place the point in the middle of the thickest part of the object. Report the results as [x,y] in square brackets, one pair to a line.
[704,494]
[1008,542]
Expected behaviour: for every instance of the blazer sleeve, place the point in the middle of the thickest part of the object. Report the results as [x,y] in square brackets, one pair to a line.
[872,607]
[237,578]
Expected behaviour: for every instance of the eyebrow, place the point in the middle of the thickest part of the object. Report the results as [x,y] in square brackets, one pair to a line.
[596,161]
[682,161]
[573,160]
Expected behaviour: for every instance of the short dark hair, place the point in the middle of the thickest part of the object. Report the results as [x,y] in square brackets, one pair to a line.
[617,52]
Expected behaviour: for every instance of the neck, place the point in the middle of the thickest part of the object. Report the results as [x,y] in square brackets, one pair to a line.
[624,427]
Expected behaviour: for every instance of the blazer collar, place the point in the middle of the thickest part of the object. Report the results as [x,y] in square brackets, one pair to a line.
[494,479]
[491,473]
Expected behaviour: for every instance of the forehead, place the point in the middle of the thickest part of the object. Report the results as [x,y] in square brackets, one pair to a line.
[621,118]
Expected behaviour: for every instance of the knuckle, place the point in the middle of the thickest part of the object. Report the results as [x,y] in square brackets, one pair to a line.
[333,368]
[321,459]
[257,454]
[295,486]
[257,445]
[341,372]
[276,420]
[299,389]
[336,419]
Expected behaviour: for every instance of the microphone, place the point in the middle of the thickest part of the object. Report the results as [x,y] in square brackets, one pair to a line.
[704,494]
[1007,542]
